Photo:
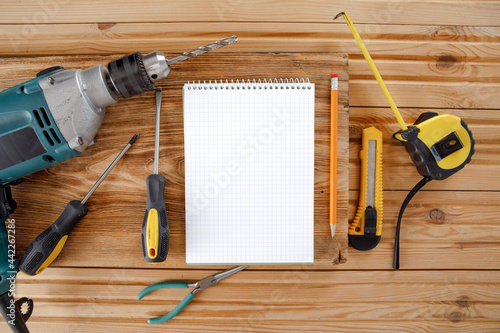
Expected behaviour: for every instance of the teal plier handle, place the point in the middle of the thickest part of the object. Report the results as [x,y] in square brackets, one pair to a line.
[177,309]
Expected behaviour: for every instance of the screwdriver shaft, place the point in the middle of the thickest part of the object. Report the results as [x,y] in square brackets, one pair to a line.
[108,170]
[202,49]
[157,130]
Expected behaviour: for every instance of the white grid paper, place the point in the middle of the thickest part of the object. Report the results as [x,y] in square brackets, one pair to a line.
[249,170]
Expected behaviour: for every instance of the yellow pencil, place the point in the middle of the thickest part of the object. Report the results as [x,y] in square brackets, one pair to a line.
[333,152]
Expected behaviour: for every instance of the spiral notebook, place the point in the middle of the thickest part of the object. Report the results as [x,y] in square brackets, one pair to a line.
[249,172]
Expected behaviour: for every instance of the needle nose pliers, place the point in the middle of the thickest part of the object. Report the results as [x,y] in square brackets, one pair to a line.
[203,284]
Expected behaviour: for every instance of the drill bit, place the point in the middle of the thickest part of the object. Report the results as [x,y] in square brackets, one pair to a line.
[202,49]
[111,166]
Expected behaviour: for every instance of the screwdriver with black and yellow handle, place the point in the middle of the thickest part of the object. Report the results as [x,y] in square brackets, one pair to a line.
[155,228]
[47,246]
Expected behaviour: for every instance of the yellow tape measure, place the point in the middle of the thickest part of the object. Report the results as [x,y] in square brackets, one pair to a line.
[439,145]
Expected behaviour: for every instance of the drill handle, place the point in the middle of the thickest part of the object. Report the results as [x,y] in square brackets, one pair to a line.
[9,308]
[11,311]
[8,265]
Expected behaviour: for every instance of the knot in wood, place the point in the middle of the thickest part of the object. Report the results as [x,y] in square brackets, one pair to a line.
[456,316]
[355,133]
[446,61]
[437,216]
[105,26]
[463,301]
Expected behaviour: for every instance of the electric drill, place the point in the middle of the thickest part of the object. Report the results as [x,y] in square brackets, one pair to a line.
[54,117]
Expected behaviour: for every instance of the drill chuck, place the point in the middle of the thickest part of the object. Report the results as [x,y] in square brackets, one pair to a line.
[129,76]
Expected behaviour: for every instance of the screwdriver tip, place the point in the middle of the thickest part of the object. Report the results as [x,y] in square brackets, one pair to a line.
[131,142]
[158,89]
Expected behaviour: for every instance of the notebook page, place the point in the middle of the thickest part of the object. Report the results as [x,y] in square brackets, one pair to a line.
[249,173]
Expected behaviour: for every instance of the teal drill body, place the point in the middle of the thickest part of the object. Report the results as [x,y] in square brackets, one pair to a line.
[29,137]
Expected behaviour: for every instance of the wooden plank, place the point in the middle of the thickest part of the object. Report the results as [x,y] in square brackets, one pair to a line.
[477,13]
[428,255]
[78,298]
[232,311]
[455,219]
[440,69]
[260,325]
[257,275]
[400,172]
[481,95]
[417,93]
[145,32]
[452,230]
[436,234]
[117,208]
[444,43]
[374,292]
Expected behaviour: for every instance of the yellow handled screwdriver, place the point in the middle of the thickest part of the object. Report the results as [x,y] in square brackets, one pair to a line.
[47,246]
[155,229]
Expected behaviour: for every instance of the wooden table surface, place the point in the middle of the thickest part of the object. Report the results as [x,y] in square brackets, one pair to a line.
[434,55]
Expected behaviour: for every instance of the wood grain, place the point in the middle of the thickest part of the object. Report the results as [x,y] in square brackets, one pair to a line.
[259,283]
[399,171]
[477,13]
[445,44]
[263,325]
[255,300]
[455,68]
[436,55]
[439,230]
[116,209]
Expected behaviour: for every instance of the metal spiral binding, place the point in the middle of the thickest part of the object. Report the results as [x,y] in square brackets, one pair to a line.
[276,84]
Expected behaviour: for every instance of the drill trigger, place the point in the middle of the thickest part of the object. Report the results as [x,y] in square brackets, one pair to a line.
[7,204]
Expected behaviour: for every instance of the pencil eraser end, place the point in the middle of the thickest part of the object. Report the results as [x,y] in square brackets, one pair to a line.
[335,75]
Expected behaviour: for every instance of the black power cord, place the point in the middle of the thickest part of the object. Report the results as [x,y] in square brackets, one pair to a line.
[414,190]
